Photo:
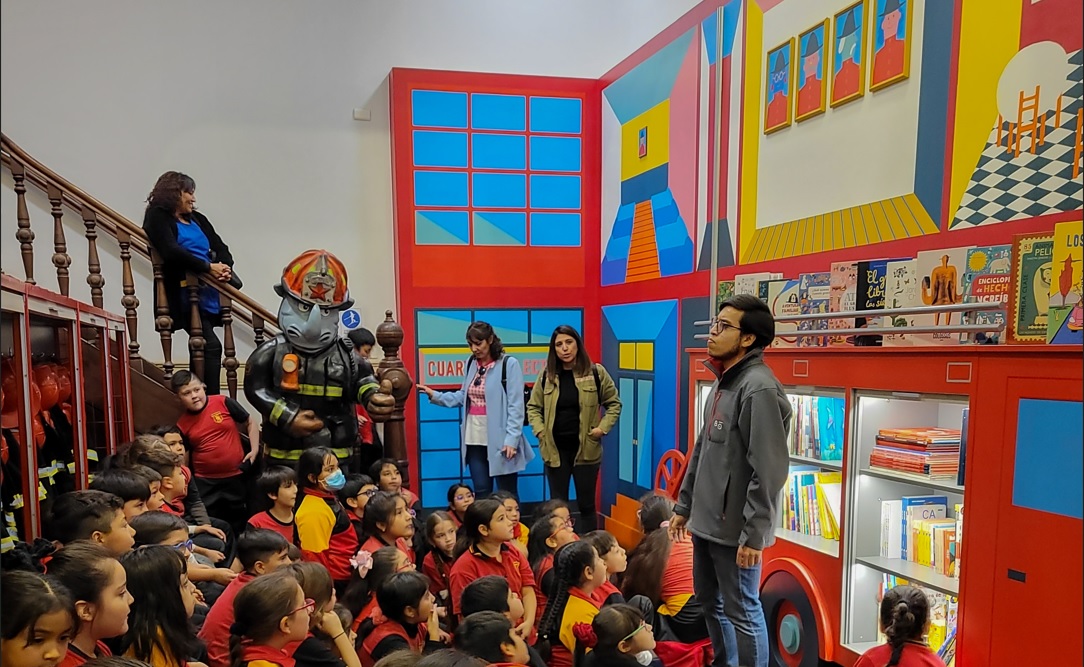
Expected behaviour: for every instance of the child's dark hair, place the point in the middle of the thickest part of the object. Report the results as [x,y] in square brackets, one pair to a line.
[123,483]
[646,564]
[258,610]
[361,590]
[28,557]
[448,657]
[27,597]
[608,629]
[259,544]
[353,486]
[153,527]
[162,429]
[310,464]
[77,515]
[361,336]
[488,593]
[157,617]
[380,509]
[431,522]
[345,617]
[537,549]
[904,613]
[84,568]
[603,541]
[114,661]
[315,582]
[270,481]
[568,565]
[482,633]
[551,506]
[654,510]
[162,461]
[501,495]
[378,466]
[404,657]
[148,475]
[293,552]
[402,590]
[453,491]
[480,513]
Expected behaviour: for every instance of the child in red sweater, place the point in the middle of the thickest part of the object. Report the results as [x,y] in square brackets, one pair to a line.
[905,620]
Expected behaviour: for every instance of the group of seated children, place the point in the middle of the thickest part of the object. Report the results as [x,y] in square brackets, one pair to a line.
[326,574]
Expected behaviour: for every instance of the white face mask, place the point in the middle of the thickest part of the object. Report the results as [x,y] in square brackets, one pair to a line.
[645,658]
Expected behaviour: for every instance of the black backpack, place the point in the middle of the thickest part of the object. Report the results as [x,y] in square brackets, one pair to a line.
[526,387]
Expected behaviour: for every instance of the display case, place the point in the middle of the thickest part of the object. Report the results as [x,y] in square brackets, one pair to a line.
[904,509]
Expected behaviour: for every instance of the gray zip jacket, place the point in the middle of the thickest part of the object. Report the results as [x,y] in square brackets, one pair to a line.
[740,462]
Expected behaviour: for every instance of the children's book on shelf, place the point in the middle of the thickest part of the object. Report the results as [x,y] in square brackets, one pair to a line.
[725,291]
[933,453]
[842,297]
[1064,317]
[958,555]
[940,283]
[813,296]
[986,280]
[783,301]
[1029,296]
[807,509]
[872,282]
[749,283]
[918,507]
[816,429]
[901,291]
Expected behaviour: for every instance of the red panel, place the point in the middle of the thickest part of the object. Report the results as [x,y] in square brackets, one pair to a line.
[1052,21]
[501,267]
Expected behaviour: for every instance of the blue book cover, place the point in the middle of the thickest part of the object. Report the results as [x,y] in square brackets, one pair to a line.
[813,293]
[830,427]
[916,501]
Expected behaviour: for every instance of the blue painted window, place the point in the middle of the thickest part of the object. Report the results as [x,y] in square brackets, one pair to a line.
[525,155]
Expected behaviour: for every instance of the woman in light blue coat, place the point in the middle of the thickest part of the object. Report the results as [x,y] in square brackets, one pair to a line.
[492,424]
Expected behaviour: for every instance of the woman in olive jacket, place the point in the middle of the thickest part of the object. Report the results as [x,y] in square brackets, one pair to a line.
[573,404]
[187,242]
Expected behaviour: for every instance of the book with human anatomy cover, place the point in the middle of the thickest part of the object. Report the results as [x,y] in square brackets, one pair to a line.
[940,283]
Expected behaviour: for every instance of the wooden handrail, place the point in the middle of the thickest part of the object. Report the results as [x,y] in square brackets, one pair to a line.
[113,224]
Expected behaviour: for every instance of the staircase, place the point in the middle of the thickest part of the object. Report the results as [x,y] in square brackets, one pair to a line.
[108,234]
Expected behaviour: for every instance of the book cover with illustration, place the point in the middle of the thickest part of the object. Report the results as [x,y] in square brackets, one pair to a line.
[783,300]
[725,291]
[813,294]
[1029,294]
[940,283]
[749,283]
[986,280]
[842,297]
[1064,318]
[901,291]
[872,281]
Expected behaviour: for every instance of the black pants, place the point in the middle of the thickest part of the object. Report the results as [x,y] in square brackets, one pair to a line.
[586,479]
[226,499]
[212,353]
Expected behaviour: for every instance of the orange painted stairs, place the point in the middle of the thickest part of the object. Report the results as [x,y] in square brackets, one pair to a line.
[643,263]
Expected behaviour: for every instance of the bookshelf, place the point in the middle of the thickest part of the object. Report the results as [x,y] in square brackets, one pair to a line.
[876,549]
[811,500]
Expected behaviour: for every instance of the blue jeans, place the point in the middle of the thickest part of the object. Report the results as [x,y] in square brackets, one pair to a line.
[478,464]
[730,597]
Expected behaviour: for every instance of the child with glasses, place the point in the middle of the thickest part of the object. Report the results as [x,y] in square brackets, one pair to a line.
[618,637]
[277,487]
[547,535]
[354,496]
[272,612]
[328,643]
[460,497]
[160,528]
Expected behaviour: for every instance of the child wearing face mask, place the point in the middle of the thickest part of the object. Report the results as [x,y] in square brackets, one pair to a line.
[323,525]
[617,637]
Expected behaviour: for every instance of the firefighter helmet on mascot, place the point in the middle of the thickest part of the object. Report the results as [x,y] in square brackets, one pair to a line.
[313,290]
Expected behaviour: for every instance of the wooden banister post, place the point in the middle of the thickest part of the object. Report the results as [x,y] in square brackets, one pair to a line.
[24,234]
[129,300]
[229,350]
[196,341]
[389,336]
[163,323]
[257,330]
[61,259]
[94,265]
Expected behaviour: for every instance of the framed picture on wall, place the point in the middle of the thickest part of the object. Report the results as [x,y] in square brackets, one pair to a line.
[811,73]
[777,87]
[891,42]
[849,54]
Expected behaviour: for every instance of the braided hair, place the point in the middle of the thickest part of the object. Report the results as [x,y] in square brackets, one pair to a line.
[258,609]
[904,614]
[568,565]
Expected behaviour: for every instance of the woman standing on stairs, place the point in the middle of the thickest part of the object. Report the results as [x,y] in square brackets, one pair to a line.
[187,242]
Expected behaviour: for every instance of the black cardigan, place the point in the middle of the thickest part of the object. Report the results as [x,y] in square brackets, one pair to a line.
[161,227]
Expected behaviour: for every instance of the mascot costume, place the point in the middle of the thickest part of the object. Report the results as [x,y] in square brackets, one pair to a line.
[306,380]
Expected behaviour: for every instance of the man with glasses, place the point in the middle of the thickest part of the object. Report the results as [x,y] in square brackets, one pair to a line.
[731,487]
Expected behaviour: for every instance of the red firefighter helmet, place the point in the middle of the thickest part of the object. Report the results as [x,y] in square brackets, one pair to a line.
[46,377]
[63,383]
[316,277]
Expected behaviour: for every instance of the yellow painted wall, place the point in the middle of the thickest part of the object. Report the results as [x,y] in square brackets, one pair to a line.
[657,121]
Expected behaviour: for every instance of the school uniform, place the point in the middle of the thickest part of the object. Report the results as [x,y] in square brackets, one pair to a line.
[914,655]
[326,534]
[390,636]
[375,543]
[580,608]
[75,657]
[265,656]
[438,571]
[267,521]
[473,564]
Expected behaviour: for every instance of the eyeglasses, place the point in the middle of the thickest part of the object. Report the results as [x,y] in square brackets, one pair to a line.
[633,633]
[719,324]
[309,607]
[413,512]
[368,493]
[184,546]
[460,497]
[570,523]
[481,374]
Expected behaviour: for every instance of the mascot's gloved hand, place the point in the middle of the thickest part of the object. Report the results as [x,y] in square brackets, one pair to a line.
[381,402]
[305,423]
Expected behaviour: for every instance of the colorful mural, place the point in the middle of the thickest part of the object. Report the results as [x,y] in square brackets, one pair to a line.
[663,180]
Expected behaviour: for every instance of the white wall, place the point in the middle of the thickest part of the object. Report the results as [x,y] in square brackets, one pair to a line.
[854,154]
[253,99]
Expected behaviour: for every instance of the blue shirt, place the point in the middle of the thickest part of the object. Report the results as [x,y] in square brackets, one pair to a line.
[191,237]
